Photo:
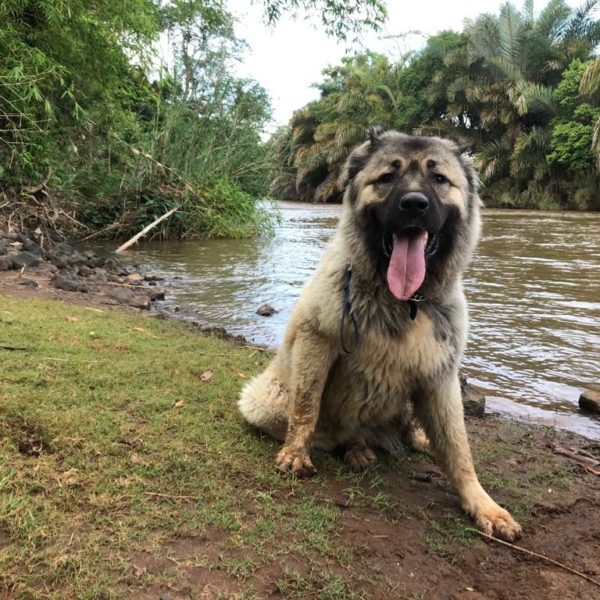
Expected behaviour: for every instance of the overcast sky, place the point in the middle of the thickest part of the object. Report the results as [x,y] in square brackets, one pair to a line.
[289,57]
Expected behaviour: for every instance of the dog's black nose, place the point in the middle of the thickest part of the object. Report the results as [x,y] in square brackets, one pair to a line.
[415,202]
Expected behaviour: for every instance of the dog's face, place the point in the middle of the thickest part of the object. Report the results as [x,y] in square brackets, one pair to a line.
[415,203]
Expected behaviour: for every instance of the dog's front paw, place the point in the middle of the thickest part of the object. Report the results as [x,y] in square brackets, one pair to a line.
[498,522]
[295,460]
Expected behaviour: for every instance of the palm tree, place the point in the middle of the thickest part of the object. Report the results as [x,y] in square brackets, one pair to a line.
[590,86]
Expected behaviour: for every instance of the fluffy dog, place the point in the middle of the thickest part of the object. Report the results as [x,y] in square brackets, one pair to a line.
[372,349]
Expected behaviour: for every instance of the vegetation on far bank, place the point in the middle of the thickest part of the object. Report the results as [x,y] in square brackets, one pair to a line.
[99,139]
[521,87]
[83,104]
[126,471]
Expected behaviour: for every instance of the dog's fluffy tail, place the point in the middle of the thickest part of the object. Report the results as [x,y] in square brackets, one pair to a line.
[263,403]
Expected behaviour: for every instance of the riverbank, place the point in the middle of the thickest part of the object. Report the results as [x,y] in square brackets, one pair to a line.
[127,472]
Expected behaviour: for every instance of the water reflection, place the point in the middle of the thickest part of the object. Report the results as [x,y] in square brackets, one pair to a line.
[533,288]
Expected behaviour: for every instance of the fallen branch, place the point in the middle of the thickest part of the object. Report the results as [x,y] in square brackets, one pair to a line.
[144,231]
[40,186]
[530,553]
[2,347]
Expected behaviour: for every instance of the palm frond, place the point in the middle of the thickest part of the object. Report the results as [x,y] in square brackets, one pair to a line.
[590,82]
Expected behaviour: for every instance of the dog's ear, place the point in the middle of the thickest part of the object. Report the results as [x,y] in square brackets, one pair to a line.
[354,163]
[358,157]
[463,145]
[375,132]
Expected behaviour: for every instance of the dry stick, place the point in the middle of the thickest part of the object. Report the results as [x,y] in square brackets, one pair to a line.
[524,550]
[170,496]
[144,231]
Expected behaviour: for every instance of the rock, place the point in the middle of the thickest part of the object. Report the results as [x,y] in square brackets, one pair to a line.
[100,275]
[30,283]
[5,246]
[126,296]
[473,399]
[16,245]
[32,247]
[85,271]
[134,278]
[25,259]
[77,259]
[153,277]
[266,310]
[156,294]
[589,401]
[68,282]
[96,261]
[110,264]
[6,262]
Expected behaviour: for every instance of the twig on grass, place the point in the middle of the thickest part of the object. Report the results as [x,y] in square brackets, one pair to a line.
[531,553]
[170,496]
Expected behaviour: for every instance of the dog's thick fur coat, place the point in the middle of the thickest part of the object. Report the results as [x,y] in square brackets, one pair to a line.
[410,221]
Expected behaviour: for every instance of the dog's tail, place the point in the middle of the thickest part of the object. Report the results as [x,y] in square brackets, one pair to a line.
[263,403]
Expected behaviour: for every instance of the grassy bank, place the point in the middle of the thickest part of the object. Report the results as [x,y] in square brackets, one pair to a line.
[125,472]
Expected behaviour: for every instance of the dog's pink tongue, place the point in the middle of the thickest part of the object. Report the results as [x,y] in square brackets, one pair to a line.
[406,270]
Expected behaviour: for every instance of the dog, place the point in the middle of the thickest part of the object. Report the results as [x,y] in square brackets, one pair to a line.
[372,349]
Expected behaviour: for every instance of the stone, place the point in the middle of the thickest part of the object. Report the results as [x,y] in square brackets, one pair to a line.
[96,261]
[153,277]
[5,246]
[30,283]
[134,278]
[68,282]
[266,310]
[589,401]
[6,262]
[126,296]
[110,264]
[25,259]
[85,271]
[156,294]
[473,399]
[32,247]
[100,275]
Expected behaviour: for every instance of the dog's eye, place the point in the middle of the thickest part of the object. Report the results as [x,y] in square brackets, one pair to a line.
[386,178]
[439,178]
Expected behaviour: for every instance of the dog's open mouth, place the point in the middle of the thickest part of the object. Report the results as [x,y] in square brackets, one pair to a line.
[406,270]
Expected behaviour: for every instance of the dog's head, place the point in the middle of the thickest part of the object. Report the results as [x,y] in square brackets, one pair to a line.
[414,204]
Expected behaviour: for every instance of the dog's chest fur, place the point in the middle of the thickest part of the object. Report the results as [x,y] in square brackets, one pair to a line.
[380,378]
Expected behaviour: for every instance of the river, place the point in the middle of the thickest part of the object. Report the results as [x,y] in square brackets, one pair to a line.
[533,290]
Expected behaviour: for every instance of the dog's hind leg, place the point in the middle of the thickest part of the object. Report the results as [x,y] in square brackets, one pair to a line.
[358,455]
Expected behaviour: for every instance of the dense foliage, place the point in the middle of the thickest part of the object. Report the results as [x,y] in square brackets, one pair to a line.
[117,140]
[522,89]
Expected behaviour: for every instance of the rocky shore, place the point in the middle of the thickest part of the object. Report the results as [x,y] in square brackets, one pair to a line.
[26,263]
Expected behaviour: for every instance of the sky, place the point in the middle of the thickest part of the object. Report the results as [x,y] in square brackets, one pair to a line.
[288,58]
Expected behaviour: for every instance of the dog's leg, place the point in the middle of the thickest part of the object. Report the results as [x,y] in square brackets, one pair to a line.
[358,455]
[311,358]
[441,414]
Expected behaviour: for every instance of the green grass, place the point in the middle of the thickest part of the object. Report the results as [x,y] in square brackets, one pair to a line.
[112,443]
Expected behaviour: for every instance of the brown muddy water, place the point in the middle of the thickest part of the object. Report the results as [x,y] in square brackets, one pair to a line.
[533,290]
